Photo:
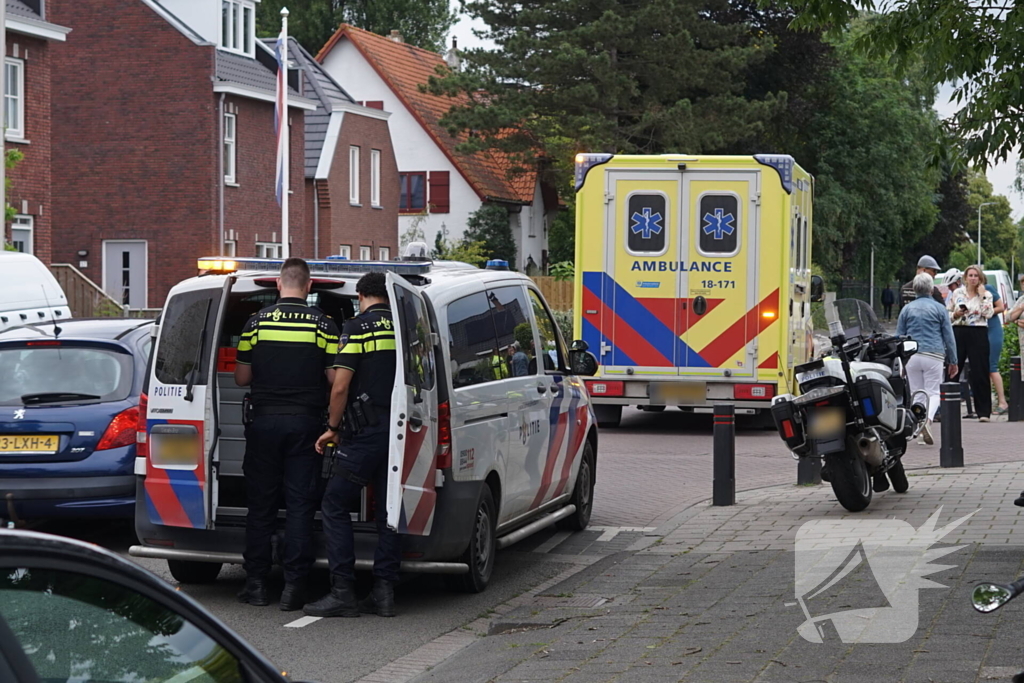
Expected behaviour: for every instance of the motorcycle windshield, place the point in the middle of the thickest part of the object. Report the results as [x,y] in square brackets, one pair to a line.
[855,317]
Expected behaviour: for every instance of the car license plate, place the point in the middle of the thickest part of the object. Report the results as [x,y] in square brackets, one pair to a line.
[826,423]
[174,450]
[29,443]
[678,392]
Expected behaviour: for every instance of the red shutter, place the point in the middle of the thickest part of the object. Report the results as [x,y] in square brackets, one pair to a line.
[438,185]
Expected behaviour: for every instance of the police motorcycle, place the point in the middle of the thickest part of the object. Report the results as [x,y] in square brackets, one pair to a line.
[988,597]
[854,410]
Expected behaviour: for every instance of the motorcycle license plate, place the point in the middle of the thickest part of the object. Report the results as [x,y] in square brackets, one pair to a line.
[826,423]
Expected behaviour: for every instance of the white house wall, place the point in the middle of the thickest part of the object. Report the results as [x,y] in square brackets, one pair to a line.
[532,238]
[415,150]
[202,16]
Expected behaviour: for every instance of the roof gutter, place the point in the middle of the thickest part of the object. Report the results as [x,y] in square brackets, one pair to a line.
[36,28]
[254,94]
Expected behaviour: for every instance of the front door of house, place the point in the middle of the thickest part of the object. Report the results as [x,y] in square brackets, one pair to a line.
[124,271]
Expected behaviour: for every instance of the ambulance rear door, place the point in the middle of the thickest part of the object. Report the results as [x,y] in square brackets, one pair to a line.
[412,458]
[181,414]
[718,275]
[636,299]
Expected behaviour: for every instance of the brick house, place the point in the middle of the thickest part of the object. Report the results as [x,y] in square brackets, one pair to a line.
[165,149]
[351,175]
[30,43]
[439,187]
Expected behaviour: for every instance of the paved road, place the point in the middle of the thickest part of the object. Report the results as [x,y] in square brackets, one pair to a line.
[651,469]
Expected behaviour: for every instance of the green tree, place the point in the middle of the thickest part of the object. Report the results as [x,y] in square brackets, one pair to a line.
[974,45]
[998,232]
[870,134]
[964,255]
[423,23]
[562,234]
[954,213]
[613,75]
[489,225]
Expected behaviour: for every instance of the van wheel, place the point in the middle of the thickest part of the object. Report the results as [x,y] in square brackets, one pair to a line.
[582,495]
[189,571]
[482,548]
[608,416]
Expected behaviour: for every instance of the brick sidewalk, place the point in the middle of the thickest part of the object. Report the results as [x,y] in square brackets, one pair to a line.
[714,600]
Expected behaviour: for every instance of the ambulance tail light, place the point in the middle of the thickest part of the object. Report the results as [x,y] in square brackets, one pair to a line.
[122,431]
[141,438]
[753,392]
[444,436]
[606,388]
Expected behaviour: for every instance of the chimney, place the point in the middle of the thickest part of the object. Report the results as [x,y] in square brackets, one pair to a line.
[451,57]
[396,36]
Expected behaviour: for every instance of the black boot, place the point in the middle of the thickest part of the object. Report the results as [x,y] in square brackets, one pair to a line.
[381,600]
[255,592]
[340,602]
[881,483]
[293,597]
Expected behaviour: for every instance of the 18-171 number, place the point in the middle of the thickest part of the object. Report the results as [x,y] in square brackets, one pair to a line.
[718,284]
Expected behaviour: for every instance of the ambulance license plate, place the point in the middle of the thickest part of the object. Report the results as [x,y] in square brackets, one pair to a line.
[826,423]
[174,450]
[672,393]
[29,443]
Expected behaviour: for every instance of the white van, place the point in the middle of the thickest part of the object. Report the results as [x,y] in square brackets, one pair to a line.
[488,446]
[28,291]
[1000,279]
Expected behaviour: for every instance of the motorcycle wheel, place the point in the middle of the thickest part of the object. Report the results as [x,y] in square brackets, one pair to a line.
[851,482]
[898,477]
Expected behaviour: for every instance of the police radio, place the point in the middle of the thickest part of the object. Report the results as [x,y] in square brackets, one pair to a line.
[327,469]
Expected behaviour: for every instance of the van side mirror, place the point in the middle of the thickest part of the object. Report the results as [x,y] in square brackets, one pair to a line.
[581,361]
[579,345]
[817,288]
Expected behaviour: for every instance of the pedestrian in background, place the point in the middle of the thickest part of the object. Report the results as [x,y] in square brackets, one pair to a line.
[286,354]
[970,308]
[926,322]
[888,299]
[1014,316]
[925,264]
[365,367]
[995,345]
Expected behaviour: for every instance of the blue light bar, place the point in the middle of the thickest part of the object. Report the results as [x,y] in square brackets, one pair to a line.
[326,267]
[585,162]
[783,164]
[497,264]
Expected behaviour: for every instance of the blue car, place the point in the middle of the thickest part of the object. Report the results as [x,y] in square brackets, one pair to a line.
[69,411]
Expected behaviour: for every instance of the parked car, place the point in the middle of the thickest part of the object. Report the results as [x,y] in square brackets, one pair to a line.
[1000,279]
[69,410]
[28,291]
[134,626]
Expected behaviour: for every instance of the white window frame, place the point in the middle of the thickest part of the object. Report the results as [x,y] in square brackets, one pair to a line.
[375,178]
[353,175]
[345,251]
[26,223]
[365,253]
[269,250]
[230,148]
[230,248]
[238,39]
[384,254]
[18,97]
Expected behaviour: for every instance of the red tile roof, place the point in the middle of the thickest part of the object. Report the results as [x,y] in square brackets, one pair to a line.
[404,68]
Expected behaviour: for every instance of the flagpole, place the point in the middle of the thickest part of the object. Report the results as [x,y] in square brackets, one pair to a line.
[285,244]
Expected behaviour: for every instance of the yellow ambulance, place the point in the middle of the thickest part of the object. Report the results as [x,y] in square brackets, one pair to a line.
[693,279]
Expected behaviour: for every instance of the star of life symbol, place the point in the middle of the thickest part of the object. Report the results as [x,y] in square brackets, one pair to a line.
[19,414]
[645,223]
[890,551]
[720,224]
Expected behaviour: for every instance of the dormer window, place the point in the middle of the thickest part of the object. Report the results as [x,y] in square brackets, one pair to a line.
[238,26]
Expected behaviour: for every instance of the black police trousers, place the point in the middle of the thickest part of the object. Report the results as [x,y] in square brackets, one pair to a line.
[280,455]
[363,457]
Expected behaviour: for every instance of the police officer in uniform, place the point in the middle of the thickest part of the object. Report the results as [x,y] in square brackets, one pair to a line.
[286,354]
[361,393]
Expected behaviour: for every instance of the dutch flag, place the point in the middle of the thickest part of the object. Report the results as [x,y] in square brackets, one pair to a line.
[281,110]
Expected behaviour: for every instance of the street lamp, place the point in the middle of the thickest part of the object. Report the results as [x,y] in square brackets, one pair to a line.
[979,228]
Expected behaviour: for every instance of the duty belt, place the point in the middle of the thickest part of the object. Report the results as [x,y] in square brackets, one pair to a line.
[264,411]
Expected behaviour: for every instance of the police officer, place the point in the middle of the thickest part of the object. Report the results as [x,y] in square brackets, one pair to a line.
[361,393]
[286,354]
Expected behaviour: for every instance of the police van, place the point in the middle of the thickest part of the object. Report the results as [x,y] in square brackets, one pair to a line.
[492,433]
[693,279]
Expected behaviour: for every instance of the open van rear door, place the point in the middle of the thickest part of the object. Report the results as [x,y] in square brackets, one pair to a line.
[412,468]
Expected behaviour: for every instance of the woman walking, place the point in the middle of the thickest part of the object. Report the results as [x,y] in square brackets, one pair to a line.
[925,320]
[995,346]
[970,308]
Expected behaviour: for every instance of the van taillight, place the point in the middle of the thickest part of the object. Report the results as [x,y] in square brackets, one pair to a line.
[444,436]
[122,431]
[141,437]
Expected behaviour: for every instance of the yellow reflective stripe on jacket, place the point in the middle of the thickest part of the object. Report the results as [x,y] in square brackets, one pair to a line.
[294,336]
[370,335]
[370,346]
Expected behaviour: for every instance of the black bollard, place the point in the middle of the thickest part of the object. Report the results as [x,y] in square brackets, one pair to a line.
[1016,412]
[965,391]
[808,471]
[724,486]
[951,452]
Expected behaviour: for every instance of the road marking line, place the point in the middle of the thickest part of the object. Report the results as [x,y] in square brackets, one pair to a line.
[304,621]
[610,532]
[550,544]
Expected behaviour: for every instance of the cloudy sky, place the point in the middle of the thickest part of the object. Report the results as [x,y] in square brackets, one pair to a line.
[1001,175]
